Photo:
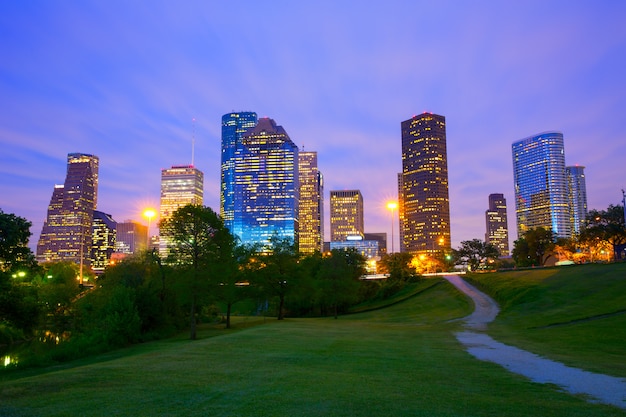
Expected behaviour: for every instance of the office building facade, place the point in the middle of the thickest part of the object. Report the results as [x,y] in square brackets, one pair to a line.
[265,185]
[540,181]
[497,224]
[67,231]
[577,194]
[311,209]
[234,125]
[346,215]
[425,205]
[103,240]
[180,185]
[131,237]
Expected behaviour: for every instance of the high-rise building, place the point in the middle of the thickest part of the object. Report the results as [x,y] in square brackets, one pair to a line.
[234,125]
[67,231]
[311,210]
[541,198]
[131,237]
[381,238]
[264,185]
[180,185]
[497,225]
[425,204]
[346,215]
[577,193]
[103,240]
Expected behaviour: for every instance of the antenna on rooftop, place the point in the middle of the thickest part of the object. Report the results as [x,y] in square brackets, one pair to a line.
[193,139]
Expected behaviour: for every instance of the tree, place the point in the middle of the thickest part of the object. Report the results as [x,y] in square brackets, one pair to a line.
[534,247]
[14,250]
[399,266]
[235,278]
[339,277]
[475,253]
[280,273]
[606,225]
[201,246]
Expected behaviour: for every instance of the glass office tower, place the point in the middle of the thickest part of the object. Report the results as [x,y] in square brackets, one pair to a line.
[234,125]
[497,225]
[311,210]
[541,198]
[577,193]
[424,201]
[264,185]
[67,231]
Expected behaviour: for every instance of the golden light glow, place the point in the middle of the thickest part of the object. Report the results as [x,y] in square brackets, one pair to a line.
[392,205]
[149,213]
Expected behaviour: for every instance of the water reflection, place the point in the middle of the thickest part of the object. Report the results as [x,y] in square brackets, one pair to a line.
[43,341]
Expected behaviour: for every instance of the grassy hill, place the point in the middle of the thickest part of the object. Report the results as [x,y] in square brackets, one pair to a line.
[402,360]
[575,314]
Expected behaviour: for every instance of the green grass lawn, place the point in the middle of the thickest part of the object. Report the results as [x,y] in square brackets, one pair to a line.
[575,314]
[399,361]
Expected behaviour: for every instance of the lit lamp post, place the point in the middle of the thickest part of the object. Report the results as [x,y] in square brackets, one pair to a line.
[392,205]
[149,214]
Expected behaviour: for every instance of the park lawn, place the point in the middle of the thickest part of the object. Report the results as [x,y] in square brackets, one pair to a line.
[574,314]
[399,361]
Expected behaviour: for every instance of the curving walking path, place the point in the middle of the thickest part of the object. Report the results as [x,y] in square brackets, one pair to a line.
[599,388]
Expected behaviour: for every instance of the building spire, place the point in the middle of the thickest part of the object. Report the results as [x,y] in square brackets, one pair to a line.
[193,139]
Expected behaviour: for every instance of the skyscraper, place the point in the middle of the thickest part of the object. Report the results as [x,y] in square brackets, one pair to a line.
[67,231]
[541,198]
[103,240]
[311,210]
[131,237]
[425,204]
[180,185]
[264,185]
[497,225]
[346,215]
[234,125]
[577,193]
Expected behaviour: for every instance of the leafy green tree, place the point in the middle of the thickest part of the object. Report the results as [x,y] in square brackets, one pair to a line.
[606,225]
[14,250]
[534,247]
[201,249]
[399,266]
[339,277]
[475,253]
[235,277]
[57,289]
[280,274]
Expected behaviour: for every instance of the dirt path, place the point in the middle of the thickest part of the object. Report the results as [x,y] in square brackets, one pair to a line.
[599,388]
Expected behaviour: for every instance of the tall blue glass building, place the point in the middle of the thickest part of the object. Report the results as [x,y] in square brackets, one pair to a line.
[262,187]
[234,125]
[541,193]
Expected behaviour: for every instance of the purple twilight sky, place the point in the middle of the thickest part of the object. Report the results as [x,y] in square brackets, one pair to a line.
[124,80]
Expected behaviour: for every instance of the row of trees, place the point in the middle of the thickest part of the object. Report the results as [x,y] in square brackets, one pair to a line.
[205,275]
[602,238]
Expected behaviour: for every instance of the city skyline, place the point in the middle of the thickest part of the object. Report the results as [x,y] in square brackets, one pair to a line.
[127,89]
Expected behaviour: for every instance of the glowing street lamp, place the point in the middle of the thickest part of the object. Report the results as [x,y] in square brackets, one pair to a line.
[392,205]
[149,214]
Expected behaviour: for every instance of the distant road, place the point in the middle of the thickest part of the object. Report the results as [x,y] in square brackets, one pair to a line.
[601,388]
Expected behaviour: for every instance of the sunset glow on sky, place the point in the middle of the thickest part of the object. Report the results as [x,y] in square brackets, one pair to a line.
[125,81]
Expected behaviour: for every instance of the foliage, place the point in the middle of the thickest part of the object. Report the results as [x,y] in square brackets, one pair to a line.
[14,250]
[534,248]
[399,267]
[476,253]
[338,277]
[280,274]
[605,226]
[202,250]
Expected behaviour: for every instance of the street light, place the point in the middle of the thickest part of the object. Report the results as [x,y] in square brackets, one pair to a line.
[149,214]
[392,205]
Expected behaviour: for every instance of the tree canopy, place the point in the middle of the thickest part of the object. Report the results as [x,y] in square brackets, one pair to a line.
[476,253]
